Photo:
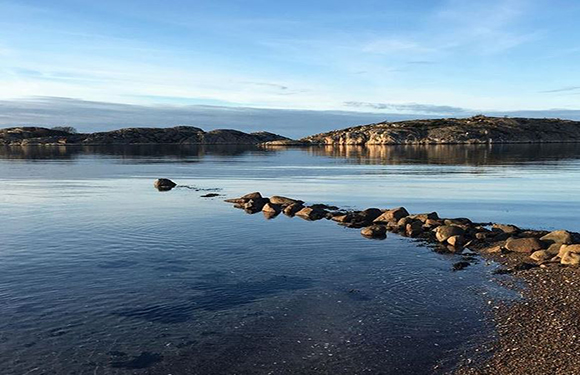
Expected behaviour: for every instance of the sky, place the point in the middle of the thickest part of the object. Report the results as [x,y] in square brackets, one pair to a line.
[295,66]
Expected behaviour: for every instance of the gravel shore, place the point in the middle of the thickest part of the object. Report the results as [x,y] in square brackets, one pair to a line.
[539,334]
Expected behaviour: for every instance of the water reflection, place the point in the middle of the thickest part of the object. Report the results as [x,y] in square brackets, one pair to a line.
[470,155]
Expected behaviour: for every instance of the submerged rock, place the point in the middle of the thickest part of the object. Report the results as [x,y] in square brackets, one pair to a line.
[164,184]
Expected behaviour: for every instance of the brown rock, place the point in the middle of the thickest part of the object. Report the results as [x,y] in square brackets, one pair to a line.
[255,195]
[164,184]
[395,215]
[309,213]
[510,229]
[291,210]
[283,201]
[568,248]
[524,245]
[456,241]
[414,228]
[571,259]
[554,249]
[442,233]
[426,216]
[374,231]
[272,208]
[558,236]
[540,256]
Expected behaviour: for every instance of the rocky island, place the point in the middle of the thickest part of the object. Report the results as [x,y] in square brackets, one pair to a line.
[176,135]
[474,130]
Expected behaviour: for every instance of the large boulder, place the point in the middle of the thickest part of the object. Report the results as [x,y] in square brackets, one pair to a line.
[426,216]
[414,228]
[442,233]
[392,215]
[524,245]
[164,184]
[564,249]
[283,201]
[374,231]
[271,208]
[558,236]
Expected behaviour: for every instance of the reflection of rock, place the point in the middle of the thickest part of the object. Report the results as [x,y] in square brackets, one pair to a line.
[164,184]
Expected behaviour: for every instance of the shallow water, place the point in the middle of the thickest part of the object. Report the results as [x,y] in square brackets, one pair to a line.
[102,274]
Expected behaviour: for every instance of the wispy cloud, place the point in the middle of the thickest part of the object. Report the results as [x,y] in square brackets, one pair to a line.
[410,108]
[561,89]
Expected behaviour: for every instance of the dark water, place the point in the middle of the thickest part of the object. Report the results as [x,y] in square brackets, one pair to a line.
[102,274]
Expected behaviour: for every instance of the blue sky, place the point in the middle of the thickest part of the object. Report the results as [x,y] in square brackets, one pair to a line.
[407,57]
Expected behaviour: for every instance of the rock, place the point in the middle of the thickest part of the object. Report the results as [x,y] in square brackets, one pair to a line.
[474,130]
[210,195]
[456,241]
[568,248]
[164,184]
[461,265]
[291,210]
[370,214]
[395,215]
[309,213]
[269,215]
[271,208]
[255,205]
[344,218]
[374,231]
[424,217]
[414,228]
[509,229]
[283,201]
[402,224]
[236,200]
[554,249]
[433,223]
[442,233]
[558,236]
[571,259]
[255,195]
[540,256]
[462,222]
[524,245]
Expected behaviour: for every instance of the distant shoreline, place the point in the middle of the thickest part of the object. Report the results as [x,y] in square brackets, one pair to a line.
[451,131]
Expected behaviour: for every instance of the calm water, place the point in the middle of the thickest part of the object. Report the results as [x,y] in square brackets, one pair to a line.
[102,274]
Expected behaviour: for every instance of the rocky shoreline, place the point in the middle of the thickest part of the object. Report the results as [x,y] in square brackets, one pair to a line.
[538,334]
[23,136]
[474,130]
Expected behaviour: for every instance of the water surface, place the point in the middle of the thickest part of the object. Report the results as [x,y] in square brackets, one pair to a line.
[102,274]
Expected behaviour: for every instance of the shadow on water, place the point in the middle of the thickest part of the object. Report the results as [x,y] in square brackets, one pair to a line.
[217,296]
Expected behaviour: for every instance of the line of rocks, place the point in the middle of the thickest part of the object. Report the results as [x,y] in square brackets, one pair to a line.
[451,234]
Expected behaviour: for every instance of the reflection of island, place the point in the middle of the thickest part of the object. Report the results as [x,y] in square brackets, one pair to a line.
[449,154]
[474,155]
[148,152]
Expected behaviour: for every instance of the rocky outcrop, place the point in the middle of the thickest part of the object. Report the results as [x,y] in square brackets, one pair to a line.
[473,130]
[524,248]
[175,135]
[164,184]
